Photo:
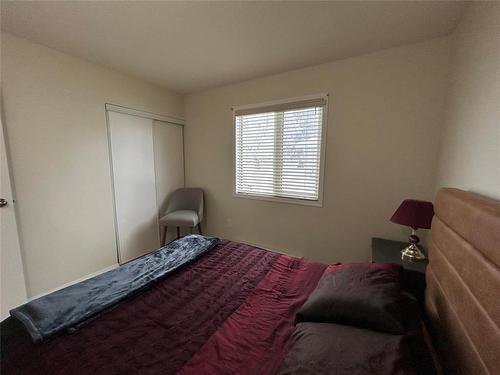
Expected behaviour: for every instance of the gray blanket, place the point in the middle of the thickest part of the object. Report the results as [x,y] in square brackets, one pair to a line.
[74,304]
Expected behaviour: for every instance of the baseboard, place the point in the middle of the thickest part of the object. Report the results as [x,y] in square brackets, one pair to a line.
[90,275]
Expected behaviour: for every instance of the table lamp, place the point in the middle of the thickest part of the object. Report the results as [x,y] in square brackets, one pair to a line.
[414,214]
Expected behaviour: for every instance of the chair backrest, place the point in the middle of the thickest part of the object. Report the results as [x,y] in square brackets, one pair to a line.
[186,199]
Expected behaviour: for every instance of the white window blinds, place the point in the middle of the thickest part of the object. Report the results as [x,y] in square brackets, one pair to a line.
[278,150]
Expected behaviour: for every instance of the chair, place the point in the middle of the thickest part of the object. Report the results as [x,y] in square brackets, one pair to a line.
[185,209]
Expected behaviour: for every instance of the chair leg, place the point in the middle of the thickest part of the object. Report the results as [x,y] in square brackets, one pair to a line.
[199,228]
[164,236]
[178,233]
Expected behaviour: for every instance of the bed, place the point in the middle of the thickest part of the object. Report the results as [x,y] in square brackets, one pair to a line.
[175,324]
[234,311]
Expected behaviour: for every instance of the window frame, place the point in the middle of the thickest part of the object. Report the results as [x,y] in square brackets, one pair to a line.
[324,126]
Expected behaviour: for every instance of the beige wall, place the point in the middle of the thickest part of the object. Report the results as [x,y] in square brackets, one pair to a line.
[470,148]
[55,119]
[385,114]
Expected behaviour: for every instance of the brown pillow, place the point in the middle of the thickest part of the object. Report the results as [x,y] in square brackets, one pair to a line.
[358,295]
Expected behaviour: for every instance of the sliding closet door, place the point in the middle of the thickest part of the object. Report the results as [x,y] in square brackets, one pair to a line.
[169,163]
[169,160]
[131,140]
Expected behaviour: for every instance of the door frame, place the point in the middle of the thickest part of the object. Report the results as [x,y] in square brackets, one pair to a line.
[25,290]
[149,115]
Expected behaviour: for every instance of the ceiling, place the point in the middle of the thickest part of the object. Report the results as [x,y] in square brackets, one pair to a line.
[190,46]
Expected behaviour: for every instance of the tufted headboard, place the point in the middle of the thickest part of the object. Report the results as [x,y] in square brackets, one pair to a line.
[463,282]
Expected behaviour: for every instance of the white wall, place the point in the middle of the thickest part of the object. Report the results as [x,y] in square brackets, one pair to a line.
[385,114]
[470,148]
[55,119]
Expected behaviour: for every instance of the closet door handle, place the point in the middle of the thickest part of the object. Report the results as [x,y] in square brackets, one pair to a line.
[3,202]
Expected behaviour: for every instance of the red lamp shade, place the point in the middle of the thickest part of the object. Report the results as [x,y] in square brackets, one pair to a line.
[413,213]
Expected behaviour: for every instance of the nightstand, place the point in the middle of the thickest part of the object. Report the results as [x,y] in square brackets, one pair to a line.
[413,273]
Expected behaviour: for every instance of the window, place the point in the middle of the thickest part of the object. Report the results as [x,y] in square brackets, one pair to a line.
[279,148]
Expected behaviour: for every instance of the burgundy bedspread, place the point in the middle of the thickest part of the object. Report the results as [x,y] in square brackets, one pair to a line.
[231,311]
[253,340]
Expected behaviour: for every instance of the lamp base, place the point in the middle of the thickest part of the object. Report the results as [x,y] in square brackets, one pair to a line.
[412,253]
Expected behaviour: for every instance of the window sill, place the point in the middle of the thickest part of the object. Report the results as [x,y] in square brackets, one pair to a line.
[303,202]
